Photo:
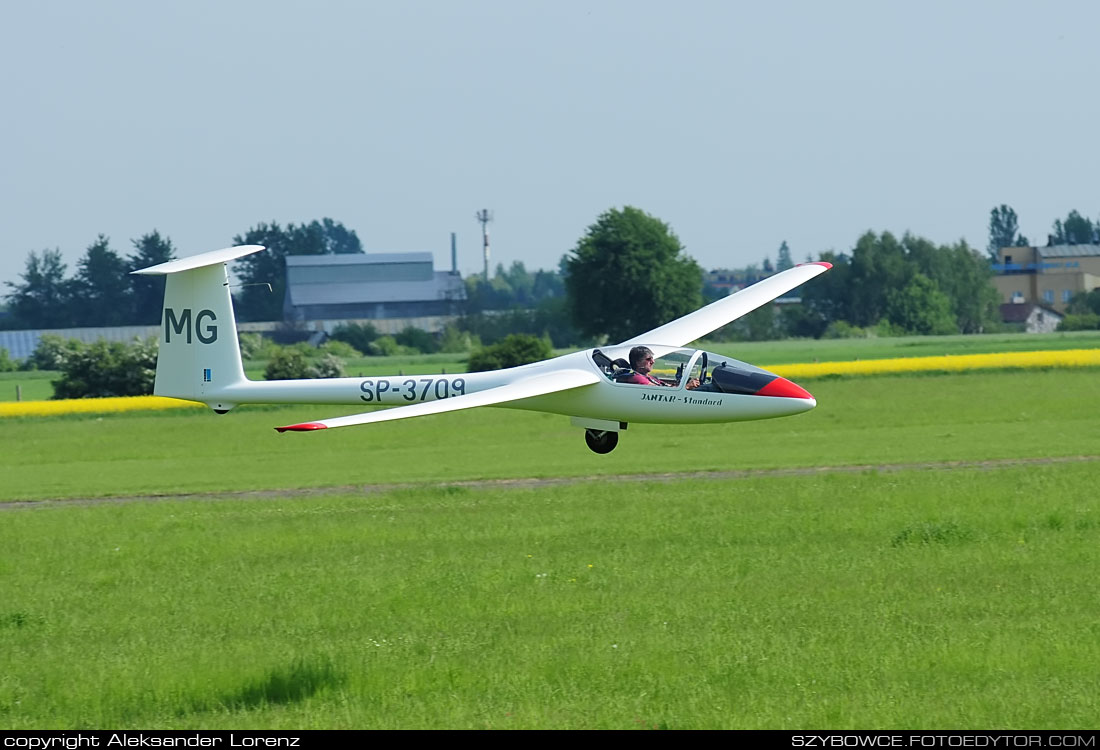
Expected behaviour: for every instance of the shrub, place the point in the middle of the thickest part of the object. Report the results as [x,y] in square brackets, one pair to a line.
[51,352]
[340,349]
[250,344]
[107,368]
[387,346]
[300,362]
[7,364]
[418,339]
[456,340]
[328,365]
[359,335]
[513,350]
[842,329]
[1080,322]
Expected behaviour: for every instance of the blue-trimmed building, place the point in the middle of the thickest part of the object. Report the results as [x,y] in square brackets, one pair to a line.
[1047,276]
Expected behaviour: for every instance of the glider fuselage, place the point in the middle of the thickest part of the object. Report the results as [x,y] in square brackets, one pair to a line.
[605,399]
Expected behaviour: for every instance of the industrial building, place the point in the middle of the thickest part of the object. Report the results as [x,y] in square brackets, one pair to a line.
[1046,276]
[374,286]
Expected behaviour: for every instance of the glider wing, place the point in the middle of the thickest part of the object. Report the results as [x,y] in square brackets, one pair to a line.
[695,325]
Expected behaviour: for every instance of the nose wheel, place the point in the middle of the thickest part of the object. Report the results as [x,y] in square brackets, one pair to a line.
[600,441]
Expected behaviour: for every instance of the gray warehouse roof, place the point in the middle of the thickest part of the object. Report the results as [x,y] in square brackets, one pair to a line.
[357,259]
[442,286]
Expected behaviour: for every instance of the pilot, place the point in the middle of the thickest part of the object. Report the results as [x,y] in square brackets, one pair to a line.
[641,363]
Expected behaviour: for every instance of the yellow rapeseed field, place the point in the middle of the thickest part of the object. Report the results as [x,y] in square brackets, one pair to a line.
[949,363]
[91,406]
[1062,358]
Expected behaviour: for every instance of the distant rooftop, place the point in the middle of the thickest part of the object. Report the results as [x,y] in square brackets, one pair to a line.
[357,259]
[1069,251]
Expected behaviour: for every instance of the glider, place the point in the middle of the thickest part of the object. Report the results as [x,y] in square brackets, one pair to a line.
[200,360]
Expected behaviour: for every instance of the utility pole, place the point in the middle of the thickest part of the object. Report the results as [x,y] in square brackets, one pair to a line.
[485,216]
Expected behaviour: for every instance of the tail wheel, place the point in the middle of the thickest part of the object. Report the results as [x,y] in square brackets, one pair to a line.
[600,441]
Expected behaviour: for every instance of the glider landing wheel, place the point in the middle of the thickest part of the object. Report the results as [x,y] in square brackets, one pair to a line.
[600,441]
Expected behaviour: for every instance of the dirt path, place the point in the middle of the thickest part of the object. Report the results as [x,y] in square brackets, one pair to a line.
[534,483]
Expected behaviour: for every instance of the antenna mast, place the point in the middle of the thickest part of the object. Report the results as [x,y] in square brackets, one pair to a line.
[485,216]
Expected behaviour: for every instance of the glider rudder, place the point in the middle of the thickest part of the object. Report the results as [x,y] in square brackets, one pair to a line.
[198,350]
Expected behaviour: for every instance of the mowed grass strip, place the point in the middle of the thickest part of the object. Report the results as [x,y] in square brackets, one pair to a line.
[905,418]
[924,600]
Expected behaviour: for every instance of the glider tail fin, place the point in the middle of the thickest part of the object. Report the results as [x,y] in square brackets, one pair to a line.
[199,354]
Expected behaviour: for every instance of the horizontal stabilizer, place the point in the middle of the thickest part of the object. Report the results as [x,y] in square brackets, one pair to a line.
[201,260]
[537,385]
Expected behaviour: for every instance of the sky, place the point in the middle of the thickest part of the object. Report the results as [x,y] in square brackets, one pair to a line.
[739,124]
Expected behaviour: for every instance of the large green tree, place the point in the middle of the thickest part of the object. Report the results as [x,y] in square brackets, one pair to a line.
[102,289]
[42,298]
[920,307]
[628,274]
[876,283]
[256,271]
[148,291]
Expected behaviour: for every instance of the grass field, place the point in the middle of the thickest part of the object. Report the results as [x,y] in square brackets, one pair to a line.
[36,385]
[917,552]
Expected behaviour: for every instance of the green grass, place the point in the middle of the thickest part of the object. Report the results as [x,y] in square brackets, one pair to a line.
[27,386]
[922,599]
[763,353]
[858,421]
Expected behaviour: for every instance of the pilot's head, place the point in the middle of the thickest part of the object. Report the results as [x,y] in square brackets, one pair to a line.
[641,359]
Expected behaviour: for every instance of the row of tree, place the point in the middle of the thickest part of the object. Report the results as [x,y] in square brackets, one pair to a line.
[628,273]
[102,293]
[1004,231]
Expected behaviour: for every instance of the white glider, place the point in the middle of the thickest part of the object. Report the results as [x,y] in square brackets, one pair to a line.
[200,360]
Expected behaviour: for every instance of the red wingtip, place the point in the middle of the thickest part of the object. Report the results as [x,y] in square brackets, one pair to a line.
[821,263]
[784,388]
[303,427]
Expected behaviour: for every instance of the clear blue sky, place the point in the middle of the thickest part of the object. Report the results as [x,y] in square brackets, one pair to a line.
[741,124]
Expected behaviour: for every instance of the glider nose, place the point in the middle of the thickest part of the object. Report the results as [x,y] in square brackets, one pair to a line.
[783,388]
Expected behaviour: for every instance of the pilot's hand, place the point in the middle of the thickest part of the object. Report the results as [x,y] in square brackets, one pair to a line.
[693,383]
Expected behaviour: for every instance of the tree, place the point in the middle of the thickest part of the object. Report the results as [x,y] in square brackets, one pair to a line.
[920,307]
[513,288]
[878,264]
[42,299]
[863,289]
[102,289]
[783,258]
[326,237]
[1076,230]
[148,291]
[969,286]
[1085,302]
[1003,231]
[629,274]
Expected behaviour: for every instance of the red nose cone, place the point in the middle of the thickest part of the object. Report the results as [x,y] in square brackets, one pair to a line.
[783,388]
